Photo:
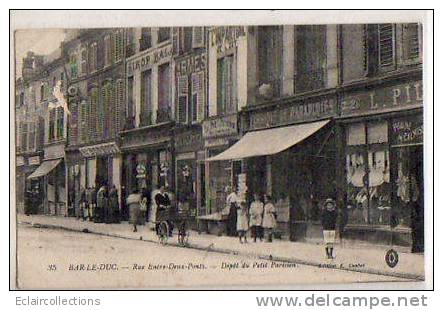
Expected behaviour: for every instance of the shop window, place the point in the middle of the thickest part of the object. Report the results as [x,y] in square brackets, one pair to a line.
[310,57]
[225,81]
[164,33]
[269,57]
[164,93]
[146,99]
[368,174]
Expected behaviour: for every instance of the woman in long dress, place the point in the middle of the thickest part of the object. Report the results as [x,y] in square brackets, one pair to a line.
[133,201]
[242,222]
[269,218]
[256,218]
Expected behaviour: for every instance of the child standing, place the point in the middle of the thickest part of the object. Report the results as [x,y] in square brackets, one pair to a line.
[256,218]
[242,221]
[328,220]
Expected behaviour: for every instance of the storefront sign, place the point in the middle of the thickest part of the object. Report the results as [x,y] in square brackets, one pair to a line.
[220,127]
[407,130]
[225,38]
[404,96]
[297,112]
[217,142]
[191,63]
[145,138]
[188,141]
[99,150]
[34,160]
[145,60]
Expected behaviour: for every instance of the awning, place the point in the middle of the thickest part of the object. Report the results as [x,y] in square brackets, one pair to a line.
[269,141]
[45,168]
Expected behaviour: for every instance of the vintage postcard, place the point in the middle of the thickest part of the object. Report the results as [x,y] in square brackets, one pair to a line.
[238,155]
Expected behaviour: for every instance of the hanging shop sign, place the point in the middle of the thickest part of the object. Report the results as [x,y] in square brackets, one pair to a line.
[300,111]
[225,38]
[220,127]
[195,62]
[403,96]
[147,59]
[407,130]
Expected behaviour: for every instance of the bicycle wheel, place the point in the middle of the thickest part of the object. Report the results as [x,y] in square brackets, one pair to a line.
[163,232]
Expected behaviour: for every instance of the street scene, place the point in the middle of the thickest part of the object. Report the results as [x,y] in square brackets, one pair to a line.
[219,156]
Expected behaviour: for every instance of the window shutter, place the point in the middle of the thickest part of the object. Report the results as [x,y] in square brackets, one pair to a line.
[175,41]
[386,46]
[410,42]
[197,37]
[118,45]
[93,108]
[182,98]
[198,96]
[118,105]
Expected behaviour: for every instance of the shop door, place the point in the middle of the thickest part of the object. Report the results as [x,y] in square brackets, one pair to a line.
[102,171]
[417,208]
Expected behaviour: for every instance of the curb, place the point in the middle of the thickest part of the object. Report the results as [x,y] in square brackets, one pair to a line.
[210,248]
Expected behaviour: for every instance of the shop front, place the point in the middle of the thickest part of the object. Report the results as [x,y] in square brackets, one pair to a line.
[219,133]
[147,160]
[383,160]
[190,170]
[288,152]
[29,193]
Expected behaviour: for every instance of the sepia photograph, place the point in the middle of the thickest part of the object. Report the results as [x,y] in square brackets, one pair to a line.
[207,156]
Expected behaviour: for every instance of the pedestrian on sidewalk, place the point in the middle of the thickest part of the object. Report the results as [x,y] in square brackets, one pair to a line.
[114,205]
[232,206]
[83,204]
[102,205]
[242,221]
[269,218]
[256,218]
[328,220]
[93,203]
[133,202]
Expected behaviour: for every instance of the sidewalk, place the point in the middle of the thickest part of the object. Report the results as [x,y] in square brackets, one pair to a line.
[364,258]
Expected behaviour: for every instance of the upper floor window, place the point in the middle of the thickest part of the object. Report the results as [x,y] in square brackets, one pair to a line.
[225,84]
[164,93]
[62,79]
[60,122]
[51,129]
[73,66]
[108,50]
[269,59]
[84,61]
[411,46]
[22,99]
[198,37]
[146,39]
[186,40]
[23,136]
[42,92]
[93,57]
[310,57]
[164,33]
[118,45]
[146,98]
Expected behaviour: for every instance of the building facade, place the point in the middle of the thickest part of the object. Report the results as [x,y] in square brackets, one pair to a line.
[341,109]
[94,61]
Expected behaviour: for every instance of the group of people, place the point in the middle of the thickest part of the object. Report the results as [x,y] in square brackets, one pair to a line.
[138,203]
[100,206]
[260,218]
